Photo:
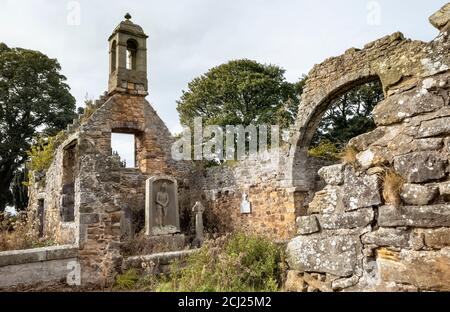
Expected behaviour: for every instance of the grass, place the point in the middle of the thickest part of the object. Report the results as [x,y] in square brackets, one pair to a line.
[15,234]
[142,245]
[392,184]
[348,156]
[233,263]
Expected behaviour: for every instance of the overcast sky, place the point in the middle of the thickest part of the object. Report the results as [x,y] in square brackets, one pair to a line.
[187,37]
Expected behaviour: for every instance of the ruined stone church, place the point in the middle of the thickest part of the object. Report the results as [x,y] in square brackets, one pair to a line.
[345,229]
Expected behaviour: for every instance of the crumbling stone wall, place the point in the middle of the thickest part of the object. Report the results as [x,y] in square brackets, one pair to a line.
[109,200]
[365,230]
[262,178]
[47,187]
[110,195]
[357,233]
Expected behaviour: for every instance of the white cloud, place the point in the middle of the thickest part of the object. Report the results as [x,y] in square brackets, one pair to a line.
[188,37]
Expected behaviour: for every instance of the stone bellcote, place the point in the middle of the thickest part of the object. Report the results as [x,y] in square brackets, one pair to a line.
[128,59]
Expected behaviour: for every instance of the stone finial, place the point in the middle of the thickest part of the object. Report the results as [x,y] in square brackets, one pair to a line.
[128,16]
[441,19]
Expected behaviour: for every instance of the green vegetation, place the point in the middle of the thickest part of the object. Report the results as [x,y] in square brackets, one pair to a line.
[42,153]
[34,100]
[326,150]
[349,115]
[237,262]
[241,92]
[15,234]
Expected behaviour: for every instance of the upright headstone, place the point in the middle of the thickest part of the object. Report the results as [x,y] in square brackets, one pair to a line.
[198,209]
[161,206]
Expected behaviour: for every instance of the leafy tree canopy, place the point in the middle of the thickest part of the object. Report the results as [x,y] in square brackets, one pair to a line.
[241,92]
[34,98]
[349,115]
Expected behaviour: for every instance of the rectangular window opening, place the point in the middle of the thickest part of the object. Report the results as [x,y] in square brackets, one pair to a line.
[124,145]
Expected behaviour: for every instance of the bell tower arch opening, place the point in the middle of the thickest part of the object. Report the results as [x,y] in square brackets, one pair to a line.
[113,58]
[128,58]
[132,48]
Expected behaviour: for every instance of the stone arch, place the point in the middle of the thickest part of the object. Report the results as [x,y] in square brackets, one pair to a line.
[304,169]
[380,59]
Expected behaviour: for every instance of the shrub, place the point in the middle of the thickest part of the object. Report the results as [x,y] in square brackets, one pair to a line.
[133,280]
[41,154]
[233,263]
[140,244]
[15,234]
[326,150]
[127,280]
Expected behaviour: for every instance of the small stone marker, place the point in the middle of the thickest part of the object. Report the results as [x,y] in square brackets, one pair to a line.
[198,209]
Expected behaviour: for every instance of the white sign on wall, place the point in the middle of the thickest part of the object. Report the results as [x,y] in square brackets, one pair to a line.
[246,206]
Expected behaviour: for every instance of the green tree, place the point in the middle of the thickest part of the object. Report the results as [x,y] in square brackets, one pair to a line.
[241,92]
[349,115]
[19,189]
[34,98]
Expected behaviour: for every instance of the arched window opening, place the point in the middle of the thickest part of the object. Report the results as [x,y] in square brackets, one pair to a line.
[348,116]
[132,47]
[113,56]
[335,120]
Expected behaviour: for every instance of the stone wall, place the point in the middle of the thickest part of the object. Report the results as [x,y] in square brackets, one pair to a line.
[47,187]
[274,204]
[112,197]
[108,200]
[380,222]
[383,220]
[34,266]
[158,263]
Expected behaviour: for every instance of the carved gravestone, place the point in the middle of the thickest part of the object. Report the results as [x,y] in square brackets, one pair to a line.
[161,206]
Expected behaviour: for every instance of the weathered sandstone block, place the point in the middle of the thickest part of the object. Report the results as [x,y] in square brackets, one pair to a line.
[435,238]
[396,108]
[387,237]
[418,195]
[360,191]
[347,220]
[421,166]
[426,269]
[307,225]
[333,175]
[434,127]
[328,200]
[441,18]
[318,253]
[417,216]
